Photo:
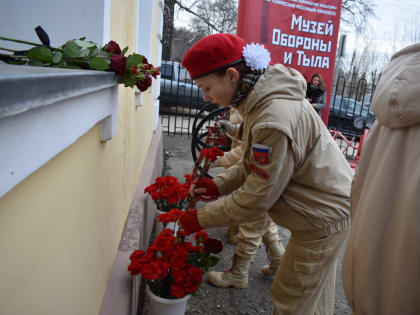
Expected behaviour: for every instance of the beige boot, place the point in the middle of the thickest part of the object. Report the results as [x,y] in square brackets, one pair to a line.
[231,235]
[236,277]
[275,252]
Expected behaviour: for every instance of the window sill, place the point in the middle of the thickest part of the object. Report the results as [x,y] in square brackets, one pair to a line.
[45,110]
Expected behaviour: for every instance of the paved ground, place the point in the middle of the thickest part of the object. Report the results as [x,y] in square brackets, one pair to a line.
[212,300]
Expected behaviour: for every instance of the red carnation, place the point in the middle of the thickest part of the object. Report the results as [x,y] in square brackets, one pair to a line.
[178,291]
[193,249]
[201,236]
[134,267]
[179,258]
[137,254]
[162,269]
[147,258]
[179,275]
[211,153]
[118,63]
[214,246]
[221,141]
[150,271]
[216,151]
[164,218]
[181,234]
[196,274]
[112,47]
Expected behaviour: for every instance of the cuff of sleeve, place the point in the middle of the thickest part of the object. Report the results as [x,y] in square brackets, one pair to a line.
[202,220]
[220,186]
[223,161]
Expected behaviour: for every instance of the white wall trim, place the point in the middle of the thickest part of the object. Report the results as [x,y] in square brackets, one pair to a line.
[144,27]
[35,128]
[107,22]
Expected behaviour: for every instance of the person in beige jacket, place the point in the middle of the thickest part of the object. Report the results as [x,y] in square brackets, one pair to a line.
[381,266]
[291,168]
[231,157]
[247,236]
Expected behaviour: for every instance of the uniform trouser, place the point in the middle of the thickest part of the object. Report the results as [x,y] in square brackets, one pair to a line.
[251,233]
[305,282]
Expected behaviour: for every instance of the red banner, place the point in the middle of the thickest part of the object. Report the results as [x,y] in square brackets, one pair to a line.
[298,33]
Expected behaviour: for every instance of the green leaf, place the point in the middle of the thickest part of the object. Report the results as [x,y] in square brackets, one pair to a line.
[71,50]
[134,59]
[213,261]
[33,53]
[84,52]
[97,63]
[56,58]
[40,53]
[45,54]
[194,259]
[84,44]
[129,81]
[140,76]
[82,38]
[93,51]
[124,50]
[104,55]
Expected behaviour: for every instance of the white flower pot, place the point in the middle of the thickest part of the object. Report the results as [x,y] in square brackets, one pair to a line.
[161,306]
[159,225]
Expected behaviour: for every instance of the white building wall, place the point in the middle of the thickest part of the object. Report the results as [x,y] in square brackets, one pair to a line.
[62,20]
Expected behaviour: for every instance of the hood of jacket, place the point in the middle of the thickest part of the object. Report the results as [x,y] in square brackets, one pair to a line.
[396,102]
[277,82]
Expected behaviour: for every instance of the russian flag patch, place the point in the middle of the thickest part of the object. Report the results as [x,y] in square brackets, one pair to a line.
[261,153]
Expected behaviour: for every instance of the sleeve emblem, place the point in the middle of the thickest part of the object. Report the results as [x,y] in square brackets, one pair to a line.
[259,172]
[261,153]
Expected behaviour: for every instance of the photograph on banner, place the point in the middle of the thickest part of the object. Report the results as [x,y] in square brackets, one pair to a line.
[300,34]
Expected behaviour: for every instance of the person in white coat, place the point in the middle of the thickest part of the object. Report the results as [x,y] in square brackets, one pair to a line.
[381,266]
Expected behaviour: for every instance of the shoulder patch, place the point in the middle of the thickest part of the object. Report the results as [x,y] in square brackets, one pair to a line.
[259,172]
[261,153]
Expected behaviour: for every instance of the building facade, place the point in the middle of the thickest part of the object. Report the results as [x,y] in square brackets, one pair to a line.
[76,151]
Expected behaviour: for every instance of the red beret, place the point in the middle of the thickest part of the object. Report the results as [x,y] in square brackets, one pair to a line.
[213,53]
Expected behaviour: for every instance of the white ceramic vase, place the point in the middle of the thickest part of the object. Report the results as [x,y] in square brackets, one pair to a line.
[161,306]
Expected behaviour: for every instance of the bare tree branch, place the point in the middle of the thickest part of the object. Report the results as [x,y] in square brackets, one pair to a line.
[356,13]
[198,16]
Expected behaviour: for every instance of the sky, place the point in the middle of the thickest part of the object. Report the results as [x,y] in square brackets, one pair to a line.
[394,14]
[393,20]
[391,30]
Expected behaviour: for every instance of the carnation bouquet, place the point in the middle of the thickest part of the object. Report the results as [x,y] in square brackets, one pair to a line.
[168,193]
[172,266]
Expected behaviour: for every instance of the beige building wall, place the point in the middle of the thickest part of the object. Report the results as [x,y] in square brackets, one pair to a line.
[60,228]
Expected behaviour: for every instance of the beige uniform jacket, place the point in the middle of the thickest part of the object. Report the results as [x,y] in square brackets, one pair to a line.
[381,267]
[234,155]
[306,184]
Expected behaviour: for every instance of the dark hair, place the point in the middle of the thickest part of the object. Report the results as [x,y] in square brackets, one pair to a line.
[241,67]
[321,82]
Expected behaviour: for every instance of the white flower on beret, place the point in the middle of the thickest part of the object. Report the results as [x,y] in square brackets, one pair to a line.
[256,56]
